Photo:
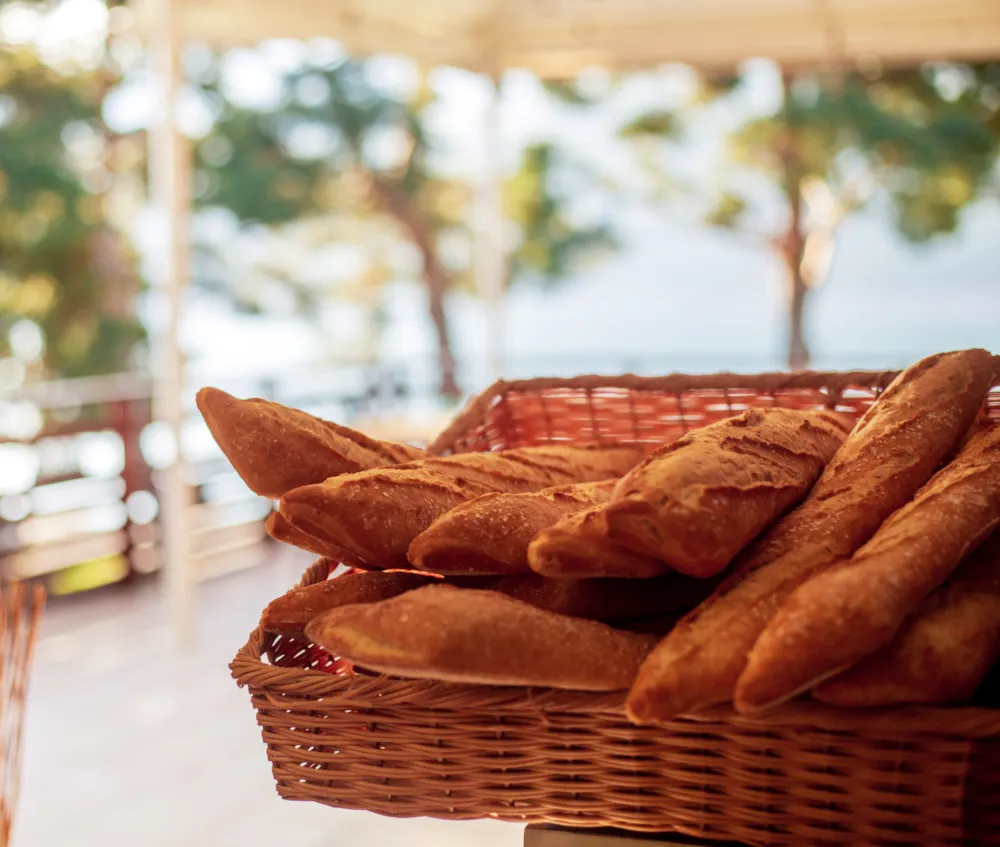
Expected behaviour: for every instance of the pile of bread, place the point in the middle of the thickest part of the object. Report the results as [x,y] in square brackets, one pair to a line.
[773,553]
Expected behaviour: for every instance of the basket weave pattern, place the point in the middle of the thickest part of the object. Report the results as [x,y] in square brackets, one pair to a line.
[808,774]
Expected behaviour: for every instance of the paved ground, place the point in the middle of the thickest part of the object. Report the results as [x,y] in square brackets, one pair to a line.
[130,744]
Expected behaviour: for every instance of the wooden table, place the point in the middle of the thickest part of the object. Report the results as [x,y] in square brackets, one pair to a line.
[545,835]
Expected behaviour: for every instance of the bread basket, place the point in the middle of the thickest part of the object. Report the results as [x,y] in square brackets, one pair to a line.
[807,774]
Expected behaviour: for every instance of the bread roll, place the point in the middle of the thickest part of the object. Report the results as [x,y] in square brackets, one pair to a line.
[609,600]
[481,637]
[942,652]
[892,451]
[375,515]
[275,449]
[856,606]
[292,611]
[491,533]
[697,502]
[577,547]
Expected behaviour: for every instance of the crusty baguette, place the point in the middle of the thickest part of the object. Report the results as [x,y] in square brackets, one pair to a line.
[894,449]
[491,534]
[942,652]
[695,503]
[376,514]
[281,530]
[464,635]
[608,600]
[275,448]
[577,546]
[856,606]
[292,611]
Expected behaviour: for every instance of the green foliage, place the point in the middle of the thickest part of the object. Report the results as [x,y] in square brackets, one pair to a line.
[254,164]
[52,236]
[728,211]
[930,153]
[658,124]
[551,244]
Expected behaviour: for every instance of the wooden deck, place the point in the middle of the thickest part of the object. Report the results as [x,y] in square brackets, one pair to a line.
[129,743]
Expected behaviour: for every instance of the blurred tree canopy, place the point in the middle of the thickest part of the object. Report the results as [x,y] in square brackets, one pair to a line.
[337,151]
[341,159]
[925,138]
[339,143]
[63,269]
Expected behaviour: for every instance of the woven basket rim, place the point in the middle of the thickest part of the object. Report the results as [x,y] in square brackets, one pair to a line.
[834,381]
[291,687]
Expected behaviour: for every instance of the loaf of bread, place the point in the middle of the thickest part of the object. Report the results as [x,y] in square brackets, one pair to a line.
[463,635]
[491,534]
[894,449]
[577,547]
[292,611]
[609,600]
[281,530]
[275,449]
[376,514]
[856,606]
[695,503]
[942,652]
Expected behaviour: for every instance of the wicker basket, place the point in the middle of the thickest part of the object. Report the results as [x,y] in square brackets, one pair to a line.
[807,775]
[20,614]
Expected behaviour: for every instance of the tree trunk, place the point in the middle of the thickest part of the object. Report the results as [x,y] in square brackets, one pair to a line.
[435,277]
[798,352]
[791,248]
[792,245]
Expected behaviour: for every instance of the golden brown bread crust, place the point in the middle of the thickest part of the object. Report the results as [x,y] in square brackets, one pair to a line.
[292,611]
[856,606]
[376,514]
[943,651]
[892,451]
[577,547]
[275,448]
[608,600]
[481,637]
[491,533]
[281,530]
[697,502]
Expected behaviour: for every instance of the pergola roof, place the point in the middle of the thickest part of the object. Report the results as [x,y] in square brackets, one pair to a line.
[558,38]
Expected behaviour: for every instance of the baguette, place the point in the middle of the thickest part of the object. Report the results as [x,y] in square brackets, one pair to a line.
[376,514]
[894,449]
[608,600]
[856,606]
[577,547]
[275,449]
[480,637]
[491,534]
[944,650]
[695,503]
[292,611]
[281,530]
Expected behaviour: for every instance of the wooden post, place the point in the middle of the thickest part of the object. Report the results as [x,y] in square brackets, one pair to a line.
[171,184]
[491,264]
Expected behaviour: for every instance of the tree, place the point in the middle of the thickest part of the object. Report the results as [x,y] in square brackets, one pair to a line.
[63,269]
[927,138]
[340,144]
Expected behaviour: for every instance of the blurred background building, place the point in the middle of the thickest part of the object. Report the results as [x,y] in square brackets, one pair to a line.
[372,209]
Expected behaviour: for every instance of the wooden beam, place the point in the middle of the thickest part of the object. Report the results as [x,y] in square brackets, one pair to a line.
[171,183]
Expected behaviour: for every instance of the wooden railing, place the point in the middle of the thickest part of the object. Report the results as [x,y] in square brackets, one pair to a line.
[78,498]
